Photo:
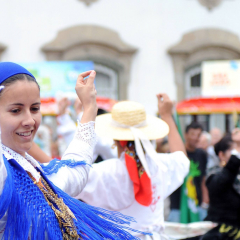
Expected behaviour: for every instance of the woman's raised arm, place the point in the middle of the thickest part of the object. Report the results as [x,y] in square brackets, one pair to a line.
[86,92]
[73,180]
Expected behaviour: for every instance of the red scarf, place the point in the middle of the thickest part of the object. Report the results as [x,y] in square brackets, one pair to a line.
[141,182]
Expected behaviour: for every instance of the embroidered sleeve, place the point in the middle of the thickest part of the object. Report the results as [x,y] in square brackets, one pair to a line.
[80,150]
[85,132]
[82,146]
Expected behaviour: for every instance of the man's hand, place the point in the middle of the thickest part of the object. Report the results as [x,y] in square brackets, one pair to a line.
[62,106]
[165,105]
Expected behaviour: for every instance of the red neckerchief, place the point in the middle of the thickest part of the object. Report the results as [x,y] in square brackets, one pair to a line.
[141,182]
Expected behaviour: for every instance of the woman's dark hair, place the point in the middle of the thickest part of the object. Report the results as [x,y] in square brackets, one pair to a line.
[223,145]
[132,149]
[18,77]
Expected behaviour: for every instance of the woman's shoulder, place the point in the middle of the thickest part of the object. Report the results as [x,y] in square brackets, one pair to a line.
[212,172]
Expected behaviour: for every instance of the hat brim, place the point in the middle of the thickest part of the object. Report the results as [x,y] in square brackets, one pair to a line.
[154,129]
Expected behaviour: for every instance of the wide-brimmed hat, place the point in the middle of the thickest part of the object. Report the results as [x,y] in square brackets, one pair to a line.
[126,115]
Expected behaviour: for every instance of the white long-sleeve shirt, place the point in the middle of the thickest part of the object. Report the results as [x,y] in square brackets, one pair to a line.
[109,186]
[66,129]
[70,180]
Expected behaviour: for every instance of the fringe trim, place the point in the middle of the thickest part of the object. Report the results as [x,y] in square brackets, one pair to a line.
[56,164]
[29,213]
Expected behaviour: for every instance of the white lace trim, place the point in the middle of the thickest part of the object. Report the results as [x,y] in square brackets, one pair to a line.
[86,133]
[28,163]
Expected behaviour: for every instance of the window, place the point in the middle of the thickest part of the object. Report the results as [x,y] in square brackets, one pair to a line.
[102,46]
[193,82]
[106,82]
[196,80]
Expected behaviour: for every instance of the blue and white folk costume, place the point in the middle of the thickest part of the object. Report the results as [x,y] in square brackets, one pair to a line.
[38,202]
[24,212]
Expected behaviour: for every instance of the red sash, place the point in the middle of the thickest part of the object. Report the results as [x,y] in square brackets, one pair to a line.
[141,182]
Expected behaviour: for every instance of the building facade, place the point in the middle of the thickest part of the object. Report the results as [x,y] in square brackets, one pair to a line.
[139,48]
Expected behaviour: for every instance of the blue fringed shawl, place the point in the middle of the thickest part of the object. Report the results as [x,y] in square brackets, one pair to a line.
[30,215]
[56,164]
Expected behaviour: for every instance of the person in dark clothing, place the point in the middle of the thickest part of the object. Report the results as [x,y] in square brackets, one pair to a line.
[193,190]
[224,193]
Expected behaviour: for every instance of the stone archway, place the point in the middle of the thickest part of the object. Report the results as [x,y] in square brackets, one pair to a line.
[202,45]
[95,43]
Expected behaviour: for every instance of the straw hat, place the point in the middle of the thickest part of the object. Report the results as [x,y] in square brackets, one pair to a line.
[126,114]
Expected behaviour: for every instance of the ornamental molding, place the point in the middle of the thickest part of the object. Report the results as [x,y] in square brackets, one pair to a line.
[198,46]
[101,45]
[210,4]
[88,2]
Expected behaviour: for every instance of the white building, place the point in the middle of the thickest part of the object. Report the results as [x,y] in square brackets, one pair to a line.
[140,48]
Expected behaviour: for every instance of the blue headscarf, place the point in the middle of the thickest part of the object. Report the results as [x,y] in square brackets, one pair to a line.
[9,69]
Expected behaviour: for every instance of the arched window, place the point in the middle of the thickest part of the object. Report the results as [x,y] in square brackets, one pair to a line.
[198,46]
[112,57]
[193,82]
[106,82]
[187,56]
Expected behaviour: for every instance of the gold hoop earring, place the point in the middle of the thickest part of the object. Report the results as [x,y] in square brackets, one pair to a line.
[223,163]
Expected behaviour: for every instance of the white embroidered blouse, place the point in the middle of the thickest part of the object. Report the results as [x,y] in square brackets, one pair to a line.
[70,180]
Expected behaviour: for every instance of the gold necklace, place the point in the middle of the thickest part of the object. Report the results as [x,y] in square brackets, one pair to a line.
[63,214]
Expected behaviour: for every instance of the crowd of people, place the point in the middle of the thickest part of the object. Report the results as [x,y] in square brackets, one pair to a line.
[210,191]
[138,162]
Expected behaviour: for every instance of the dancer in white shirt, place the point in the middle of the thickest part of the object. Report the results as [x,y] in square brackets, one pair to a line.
[139,180]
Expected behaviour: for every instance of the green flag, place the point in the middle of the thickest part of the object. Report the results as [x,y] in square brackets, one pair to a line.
[177,122]
[189,201]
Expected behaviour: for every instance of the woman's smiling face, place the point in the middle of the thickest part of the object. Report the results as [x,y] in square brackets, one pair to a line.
[20,115]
